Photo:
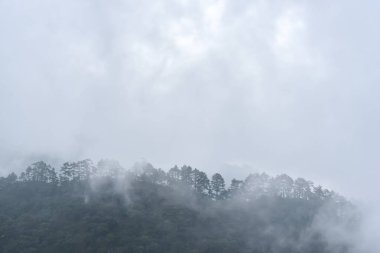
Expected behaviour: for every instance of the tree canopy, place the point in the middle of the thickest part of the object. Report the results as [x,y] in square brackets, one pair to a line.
[84,207]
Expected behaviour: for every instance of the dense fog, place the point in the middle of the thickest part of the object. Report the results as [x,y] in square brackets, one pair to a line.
[230,87]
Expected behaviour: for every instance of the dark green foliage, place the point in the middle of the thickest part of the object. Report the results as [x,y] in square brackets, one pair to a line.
[40,172]
[77,171]
[201,182]
[235,188]
[103,209]
[218,190]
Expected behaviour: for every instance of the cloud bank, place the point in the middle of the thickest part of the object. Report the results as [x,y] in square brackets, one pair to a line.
[230,86]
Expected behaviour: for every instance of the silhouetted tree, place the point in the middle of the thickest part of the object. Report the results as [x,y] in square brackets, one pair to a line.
[39,172]
[186,175]
[256,184]
[283,186]
[77,171]
[174,175]
[11,178]
[109,168]
[201,182]
[235,187]
[302,189]
[218,187]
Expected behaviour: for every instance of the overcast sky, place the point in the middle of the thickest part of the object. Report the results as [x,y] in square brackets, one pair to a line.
[231,86]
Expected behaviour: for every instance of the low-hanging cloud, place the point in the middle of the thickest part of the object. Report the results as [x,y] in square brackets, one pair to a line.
[286,86]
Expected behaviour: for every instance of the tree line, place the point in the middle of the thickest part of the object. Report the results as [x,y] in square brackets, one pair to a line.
[87,207]
[253,186]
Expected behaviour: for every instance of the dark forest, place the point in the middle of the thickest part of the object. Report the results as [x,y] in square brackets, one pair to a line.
[82,207]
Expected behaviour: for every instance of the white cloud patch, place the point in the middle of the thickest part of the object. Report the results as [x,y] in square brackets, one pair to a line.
[286,86]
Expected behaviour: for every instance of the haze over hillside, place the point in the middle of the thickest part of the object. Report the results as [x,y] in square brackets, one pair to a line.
[229,86]
[104,208]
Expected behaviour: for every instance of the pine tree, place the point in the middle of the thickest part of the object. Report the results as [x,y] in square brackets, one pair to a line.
[218,191]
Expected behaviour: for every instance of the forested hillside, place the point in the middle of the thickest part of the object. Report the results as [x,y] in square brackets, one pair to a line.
[82,207]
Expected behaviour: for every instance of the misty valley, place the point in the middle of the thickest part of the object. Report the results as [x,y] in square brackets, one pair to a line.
[82,207]
[259,119]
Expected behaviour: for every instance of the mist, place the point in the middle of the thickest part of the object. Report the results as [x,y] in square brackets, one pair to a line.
[227,86]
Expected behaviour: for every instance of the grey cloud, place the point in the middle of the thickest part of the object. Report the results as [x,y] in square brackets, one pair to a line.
[284,86]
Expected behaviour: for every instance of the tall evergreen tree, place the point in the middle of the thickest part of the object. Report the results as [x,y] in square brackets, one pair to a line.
[201,182]
[39,172]
[235,187]
[218,190]
[174,175]
[186,175]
